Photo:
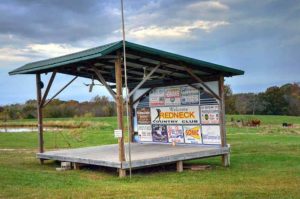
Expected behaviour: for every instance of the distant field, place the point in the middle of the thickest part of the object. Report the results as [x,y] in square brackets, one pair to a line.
[265,163]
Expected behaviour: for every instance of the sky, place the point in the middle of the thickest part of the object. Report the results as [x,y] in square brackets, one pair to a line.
[260,37]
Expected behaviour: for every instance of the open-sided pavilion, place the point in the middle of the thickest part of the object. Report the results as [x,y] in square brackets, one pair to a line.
[146,68]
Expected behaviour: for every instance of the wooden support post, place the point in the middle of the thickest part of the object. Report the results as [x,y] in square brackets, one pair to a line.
[122,173]
[119,103]
[39,114]
[130,115]
[179,166]
[225,157]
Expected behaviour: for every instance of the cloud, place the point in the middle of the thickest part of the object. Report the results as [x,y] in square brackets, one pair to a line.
[208,5]
[32,52]
[180,31]
[8,54]
[52,50]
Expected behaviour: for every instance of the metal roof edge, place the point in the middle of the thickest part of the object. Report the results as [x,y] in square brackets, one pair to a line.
[184,58]
[115,46]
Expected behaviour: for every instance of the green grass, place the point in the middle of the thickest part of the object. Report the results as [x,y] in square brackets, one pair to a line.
[265,163]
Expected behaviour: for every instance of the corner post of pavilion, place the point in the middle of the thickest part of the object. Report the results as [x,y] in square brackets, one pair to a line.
[225,157]
[119,103]
[39,114]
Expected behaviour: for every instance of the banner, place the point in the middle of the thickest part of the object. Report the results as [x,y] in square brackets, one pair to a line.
[172,96]
[189,95]
[143,115]
[157,97]
[175,134]
[192,134]
[145,133]
[210,114]
[211,134]
[159,133]
[175,115]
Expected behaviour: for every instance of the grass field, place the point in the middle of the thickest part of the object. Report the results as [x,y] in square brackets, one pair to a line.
[265,163]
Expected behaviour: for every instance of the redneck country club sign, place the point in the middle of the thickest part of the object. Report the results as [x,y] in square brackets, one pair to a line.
[175,114]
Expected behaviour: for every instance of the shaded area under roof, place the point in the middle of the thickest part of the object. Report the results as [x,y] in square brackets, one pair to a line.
[140,60]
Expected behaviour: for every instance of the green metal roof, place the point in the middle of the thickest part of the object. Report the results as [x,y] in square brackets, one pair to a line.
[98,52]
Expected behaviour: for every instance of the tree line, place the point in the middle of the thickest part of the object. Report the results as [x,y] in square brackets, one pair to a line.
[99,106]
[284,100]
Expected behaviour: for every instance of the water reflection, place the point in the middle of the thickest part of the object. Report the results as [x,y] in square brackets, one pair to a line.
[25,129]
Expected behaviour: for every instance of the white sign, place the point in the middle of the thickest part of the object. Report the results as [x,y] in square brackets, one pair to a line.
[189,95]
[172,96]
[192,134]
[145,133]
[175,115]
[211,134]
[175,134]
[118,133]
[210,114]
[157,97]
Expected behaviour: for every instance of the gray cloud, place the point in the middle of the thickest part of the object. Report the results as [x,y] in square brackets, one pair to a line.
[262,37]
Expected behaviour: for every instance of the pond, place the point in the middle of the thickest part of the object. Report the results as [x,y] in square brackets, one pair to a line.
[26,129]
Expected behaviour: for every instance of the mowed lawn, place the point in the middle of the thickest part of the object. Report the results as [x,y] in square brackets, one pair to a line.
[265,163]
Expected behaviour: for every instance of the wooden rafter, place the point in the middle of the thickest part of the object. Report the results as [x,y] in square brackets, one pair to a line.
[143,81]
[102,80]
[190,72]
[48,88]
[63,88]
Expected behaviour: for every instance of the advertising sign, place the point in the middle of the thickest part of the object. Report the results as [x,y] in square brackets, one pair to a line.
[159,133]
[143,115]
[175,134]
[211,134]
[157,97]
[175,115]
[210,114]
[172,96]
[145,133]
[189,95]
[192,134]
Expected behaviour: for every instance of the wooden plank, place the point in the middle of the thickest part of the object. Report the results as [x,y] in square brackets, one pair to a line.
[39,114]
[198,167]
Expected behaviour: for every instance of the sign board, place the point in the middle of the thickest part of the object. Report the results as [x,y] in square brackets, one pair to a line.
[181,114]
[211,134]
[210,114]
[118,133]
[189,95]
[157,97]
[159,133]
[175,115]
[175,134]
[192,134]
[143,115]
[145,133]
[172,96]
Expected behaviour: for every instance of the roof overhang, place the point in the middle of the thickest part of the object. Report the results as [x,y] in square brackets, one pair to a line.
[140,60]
